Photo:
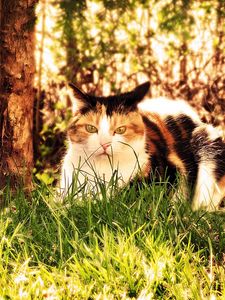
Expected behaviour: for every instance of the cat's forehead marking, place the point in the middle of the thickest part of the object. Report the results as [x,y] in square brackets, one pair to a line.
[94,117]
[99,108]
[104,124]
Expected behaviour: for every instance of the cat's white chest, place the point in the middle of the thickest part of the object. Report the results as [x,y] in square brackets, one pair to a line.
[88,168]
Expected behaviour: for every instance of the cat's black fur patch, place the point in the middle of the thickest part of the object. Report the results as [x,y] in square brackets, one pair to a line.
[183,145]
[125,102]
[214,150]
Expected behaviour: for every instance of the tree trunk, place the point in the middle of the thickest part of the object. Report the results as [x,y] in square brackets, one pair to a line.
[17,20]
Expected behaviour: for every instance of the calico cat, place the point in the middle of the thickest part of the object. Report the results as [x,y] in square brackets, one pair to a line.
[139,138]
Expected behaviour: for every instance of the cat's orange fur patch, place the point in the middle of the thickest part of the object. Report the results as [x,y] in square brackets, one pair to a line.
[175,159]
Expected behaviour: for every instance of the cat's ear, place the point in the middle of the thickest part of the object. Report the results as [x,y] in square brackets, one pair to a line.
[141,90]
[81,98]
[135,96]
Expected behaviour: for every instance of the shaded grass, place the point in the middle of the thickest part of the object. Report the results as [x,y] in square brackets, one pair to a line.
[134,243]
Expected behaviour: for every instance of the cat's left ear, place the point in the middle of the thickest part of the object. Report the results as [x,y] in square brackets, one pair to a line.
[81,98]
[137,95]
[141,90]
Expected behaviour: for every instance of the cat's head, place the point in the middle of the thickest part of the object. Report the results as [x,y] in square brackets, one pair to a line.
[106,125]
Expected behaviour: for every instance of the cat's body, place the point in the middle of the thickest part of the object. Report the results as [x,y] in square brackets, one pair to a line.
[142,138]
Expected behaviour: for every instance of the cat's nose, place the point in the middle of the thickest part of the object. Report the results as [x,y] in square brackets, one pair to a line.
[105,146]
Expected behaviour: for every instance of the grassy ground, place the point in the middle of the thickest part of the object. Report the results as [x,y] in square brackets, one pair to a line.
[127,244]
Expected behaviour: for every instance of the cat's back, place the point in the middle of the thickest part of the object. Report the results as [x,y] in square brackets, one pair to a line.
[165,107]
[172,121]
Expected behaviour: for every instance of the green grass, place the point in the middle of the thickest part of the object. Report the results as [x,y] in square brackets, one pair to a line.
[124,244]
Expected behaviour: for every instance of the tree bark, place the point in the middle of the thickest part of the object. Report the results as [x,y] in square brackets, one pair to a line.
[17,67]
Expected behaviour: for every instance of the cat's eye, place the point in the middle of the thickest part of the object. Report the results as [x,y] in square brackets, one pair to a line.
[91,128]
[121,130]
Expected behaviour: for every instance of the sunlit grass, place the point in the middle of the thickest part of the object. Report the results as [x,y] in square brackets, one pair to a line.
[135,243]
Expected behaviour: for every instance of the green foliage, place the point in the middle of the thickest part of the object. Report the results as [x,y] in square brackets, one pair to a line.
[129,244]
[95,45]
[100,37]
[116,4]
[72,8]
[45,178]
[176,17]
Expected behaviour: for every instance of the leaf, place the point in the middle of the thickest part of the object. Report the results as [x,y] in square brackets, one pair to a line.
[45,178]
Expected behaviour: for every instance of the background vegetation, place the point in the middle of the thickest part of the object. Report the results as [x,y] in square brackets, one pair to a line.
[108,46]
